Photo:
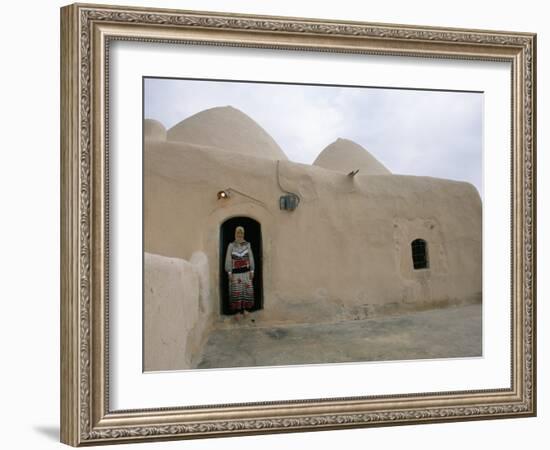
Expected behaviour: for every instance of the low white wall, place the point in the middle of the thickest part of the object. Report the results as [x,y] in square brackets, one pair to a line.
[177,314]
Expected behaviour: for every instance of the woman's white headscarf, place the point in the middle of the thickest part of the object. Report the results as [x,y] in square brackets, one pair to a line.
[239,228]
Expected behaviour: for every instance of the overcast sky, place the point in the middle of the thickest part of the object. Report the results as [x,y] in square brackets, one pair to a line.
[413,132]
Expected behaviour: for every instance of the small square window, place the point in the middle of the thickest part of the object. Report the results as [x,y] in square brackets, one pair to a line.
[419,249]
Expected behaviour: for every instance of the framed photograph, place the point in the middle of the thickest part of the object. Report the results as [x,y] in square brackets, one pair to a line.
[275,224]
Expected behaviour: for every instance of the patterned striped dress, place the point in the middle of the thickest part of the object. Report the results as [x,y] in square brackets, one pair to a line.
[239,262]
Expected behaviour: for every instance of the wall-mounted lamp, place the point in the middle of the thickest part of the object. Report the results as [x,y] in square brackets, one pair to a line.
[227,193]
[289,202]
[223,194]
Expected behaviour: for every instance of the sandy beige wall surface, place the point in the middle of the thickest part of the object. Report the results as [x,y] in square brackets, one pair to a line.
[176,320]
[344,251]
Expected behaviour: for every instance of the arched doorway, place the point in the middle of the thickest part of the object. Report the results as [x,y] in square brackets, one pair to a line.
[253,234]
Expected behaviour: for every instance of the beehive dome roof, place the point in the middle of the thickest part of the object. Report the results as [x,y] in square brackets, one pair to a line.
[154,130]
[344,155]
[226,128]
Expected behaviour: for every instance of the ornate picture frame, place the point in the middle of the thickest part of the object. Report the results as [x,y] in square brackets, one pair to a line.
[87,32]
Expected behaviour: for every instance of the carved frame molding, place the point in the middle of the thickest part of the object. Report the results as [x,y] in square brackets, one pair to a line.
[86,31]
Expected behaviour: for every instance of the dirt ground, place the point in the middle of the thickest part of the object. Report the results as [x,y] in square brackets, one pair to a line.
[440,333]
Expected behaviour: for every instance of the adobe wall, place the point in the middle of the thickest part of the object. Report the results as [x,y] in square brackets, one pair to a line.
[343,253]
[177,313]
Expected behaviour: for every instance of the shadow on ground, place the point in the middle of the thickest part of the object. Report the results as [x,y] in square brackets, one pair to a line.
[51,432]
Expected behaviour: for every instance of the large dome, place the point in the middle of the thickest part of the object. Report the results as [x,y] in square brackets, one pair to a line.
[226,128]
[345,156]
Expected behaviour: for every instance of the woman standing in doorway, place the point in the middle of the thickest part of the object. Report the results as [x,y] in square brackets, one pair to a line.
[239,265]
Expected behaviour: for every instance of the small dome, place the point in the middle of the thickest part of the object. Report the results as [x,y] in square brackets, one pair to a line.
[154,130]
[344,156]
[226,128]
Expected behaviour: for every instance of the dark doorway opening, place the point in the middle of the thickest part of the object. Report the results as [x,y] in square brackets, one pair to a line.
[252,234]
